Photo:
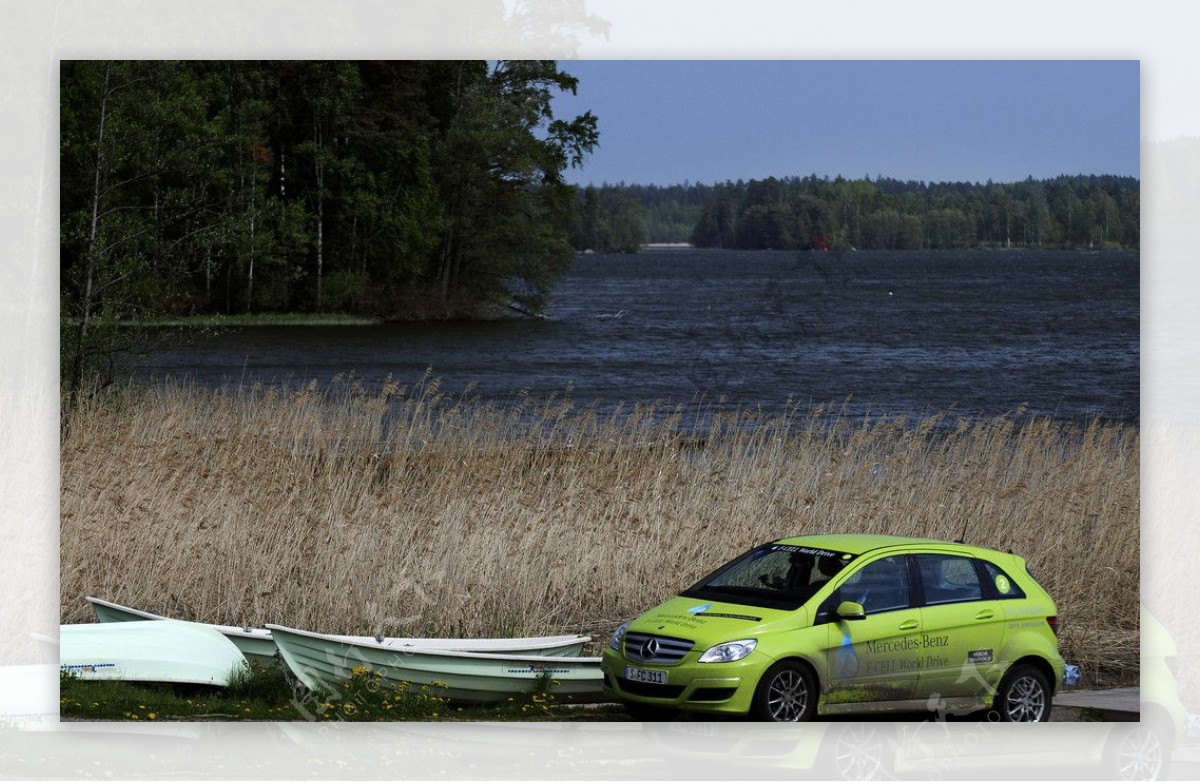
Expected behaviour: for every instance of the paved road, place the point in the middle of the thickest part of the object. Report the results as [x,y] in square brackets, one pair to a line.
[1185,763]
[1112,704]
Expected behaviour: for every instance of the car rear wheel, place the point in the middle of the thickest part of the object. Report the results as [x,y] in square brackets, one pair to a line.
[786,693]
[1023,696]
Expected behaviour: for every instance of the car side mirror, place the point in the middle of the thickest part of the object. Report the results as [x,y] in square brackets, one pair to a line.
[848,609]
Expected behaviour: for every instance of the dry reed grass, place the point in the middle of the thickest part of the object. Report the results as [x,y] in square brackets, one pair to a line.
[409,512]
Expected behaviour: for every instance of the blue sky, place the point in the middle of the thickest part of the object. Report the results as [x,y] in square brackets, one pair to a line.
[667,121]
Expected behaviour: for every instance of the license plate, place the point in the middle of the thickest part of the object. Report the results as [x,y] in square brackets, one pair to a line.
[645,676]
[706,729]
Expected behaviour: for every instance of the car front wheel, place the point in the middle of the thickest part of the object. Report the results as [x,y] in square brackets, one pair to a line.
[786,693]
[1024,696]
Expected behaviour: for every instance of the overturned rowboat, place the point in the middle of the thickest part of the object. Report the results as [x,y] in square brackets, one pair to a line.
[165,651]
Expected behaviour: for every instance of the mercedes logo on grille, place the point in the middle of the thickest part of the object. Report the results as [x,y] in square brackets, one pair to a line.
[649,648]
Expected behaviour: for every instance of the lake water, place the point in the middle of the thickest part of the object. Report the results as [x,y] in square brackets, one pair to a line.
[975,333]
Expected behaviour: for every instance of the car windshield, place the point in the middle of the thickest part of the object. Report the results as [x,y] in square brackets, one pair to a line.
[775,575]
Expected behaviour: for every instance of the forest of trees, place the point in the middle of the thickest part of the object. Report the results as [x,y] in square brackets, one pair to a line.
[405,189]
[881,214]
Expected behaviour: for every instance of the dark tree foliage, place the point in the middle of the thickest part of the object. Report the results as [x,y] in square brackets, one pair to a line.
[608,220]
[822,213]
[620,218]
[410,189]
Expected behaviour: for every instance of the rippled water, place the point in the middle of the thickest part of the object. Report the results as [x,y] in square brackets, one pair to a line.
[973,332]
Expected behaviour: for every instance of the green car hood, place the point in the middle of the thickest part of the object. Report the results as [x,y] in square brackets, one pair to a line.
[709,622]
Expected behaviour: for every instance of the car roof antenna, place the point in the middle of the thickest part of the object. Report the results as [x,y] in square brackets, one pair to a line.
[963,537]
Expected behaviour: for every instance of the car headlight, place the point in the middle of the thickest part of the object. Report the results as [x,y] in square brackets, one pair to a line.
[618,637]
[728,652]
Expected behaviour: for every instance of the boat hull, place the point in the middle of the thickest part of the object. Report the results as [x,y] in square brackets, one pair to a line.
[324,662]
[259,647]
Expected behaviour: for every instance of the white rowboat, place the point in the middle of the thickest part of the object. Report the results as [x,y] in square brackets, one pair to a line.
[166,651]
[258,645]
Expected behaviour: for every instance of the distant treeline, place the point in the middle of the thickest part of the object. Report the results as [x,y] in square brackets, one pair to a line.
[397,189]
[881,214]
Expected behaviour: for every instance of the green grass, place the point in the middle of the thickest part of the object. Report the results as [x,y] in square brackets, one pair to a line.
[264,694]
[267,319]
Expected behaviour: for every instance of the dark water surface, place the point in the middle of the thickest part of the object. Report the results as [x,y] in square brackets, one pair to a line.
[977,333]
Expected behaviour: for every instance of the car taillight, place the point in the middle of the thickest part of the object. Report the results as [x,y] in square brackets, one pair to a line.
[1053,622]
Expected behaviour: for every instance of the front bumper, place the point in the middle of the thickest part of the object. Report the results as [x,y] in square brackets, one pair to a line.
[693,686]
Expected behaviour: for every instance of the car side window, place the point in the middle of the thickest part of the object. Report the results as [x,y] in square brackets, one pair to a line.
[948,579]
[880,586]
[998,584]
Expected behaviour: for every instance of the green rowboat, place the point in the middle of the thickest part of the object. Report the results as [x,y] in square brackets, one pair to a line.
[324,662]
[254,643]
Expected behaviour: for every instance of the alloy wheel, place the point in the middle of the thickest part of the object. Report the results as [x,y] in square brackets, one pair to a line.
[1025,699]
[787,697]
[1140,755]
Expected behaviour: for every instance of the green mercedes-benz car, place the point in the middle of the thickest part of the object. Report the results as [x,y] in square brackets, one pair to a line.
[846,624]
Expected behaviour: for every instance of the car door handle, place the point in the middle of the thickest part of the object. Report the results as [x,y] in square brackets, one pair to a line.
[986,613]
[911,624]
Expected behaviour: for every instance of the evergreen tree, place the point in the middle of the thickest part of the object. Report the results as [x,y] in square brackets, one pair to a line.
[397,189]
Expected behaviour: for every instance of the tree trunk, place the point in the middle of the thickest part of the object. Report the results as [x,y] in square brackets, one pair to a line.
[320,172]
[75,382]
[446,252]
[250,273]
[320,246]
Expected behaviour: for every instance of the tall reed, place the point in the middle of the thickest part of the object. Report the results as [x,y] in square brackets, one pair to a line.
[409,511]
